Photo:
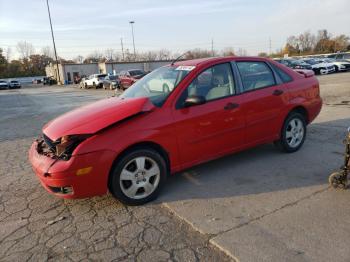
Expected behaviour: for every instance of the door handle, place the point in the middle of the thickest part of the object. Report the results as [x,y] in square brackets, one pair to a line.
[277,92]
[230,106]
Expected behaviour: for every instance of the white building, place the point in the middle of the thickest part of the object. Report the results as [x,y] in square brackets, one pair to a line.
[69,71]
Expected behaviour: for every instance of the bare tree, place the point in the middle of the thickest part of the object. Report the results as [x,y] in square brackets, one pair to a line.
[8,54]
[110,54]
[25,49]
[47,51]
[228,51]
[241,52]
[79,59]
[163,54]
[306,41]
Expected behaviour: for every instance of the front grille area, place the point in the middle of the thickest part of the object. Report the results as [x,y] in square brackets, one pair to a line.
[46,147]
[51,144]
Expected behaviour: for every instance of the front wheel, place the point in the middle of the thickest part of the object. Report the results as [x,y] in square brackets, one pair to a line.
[293,133]
[138,177]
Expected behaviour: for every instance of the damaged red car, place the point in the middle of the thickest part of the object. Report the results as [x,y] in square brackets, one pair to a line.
[176,117]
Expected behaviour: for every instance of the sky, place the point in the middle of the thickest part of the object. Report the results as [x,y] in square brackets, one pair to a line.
[83,26]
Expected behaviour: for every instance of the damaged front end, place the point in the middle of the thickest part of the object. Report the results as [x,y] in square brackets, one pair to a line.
[62,148]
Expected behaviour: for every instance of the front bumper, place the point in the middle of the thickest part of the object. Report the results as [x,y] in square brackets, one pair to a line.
[65,179]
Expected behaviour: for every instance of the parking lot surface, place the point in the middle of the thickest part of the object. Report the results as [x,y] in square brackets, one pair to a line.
[35,226]
[257,205]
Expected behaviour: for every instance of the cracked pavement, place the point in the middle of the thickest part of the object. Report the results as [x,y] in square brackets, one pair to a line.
[35,226]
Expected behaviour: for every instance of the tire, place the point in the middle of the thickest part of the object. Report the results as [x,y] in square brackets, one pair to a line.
[133,189]
[336,69]
[294,129]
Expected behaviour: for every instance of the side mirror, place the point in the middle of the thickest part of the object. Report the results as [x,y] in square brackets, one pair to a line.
[194,100]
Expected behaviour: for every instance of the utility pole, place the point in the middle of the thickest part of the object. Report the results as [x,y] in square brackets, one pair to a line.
[212,47]
[270,46]
[133,39]
[121,42]
[53,40]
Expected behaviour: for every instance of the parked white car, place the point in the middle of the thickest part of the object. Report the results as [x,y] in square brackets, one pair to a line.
[320,67]
[14,84]
[95,81]
[340,65]
[3,84]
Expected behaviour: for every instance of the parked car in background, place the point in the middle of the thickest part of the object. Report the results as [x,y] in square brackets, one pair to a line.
[206,108]
[3,84]
[340,56]
[320,67]
[95,81]
[49,80]
[111,82]
[293,63]
[340,64]
[14,84]
[129,77]
[38,81]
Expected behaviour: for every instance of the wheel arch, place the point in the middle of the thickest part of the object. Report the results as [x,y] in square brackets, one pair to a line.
[301,110]
[145,144]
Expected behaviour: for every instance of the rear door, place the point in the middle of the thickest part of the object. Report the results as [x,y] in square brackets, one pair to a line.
[265,100]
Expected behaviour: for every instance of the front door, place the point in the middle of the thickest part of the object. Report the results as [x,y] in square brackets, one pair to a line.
[208,130]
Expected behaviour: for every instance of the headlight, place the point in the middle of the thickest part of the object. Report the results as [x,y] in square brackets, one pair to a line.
[66,145]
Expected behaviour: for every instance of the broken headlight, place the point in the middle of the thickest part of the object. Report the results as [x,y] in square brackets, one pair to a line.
[66,145]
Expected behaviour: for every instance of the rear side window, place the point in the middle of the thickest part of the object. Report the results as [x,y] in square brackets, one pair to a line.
[255,75]
[283,75]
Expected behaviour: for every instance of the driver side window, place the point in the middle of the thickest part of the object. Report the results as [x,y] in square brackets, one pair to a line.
[213,83]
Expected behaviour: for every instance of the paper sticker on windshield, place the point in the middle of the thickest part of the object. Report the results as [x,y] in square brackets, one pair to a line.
[185,68]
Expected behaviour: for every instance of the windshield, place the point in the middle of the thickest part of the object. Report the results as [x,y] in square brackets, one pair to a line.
[136,72]
[311,62]
[157,85]
[111,77]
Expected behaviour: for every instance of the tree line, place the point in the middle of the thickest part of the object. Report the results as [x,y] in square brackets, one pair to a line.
[308,43]
[32,63]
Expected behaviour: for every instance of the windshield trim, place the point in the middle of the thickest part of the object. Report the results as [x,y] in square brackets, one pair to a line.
[176,84]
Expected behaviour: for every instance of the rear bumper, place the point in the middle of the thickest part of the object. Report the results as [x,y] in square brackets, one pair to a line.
[62,178]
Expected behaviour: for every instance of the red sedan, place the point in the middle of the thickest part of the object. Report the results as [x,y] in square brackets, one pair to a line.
[177,116]
[129,77]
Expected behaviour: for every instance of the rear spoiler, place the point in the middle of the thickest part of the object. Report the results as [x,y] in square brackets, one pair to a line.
[305,73]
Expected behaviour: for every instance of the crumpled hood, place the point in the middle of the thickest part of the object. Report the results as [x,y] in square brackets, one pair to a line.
[93,117]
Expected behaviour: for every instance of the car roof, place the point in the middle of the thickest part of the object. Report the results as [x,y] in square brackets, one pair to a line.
[134,70]
[214,60]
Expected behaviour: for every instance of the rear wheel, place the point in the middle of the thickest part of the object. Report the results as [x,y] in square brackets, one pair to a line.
[293,133]
[138,177]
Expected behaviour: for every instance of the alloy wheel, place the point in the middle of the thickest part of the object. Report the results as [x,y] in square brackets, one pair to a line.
[295,132]
[139,177]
